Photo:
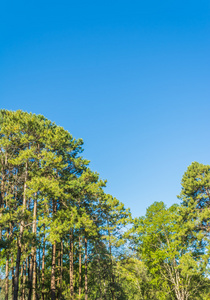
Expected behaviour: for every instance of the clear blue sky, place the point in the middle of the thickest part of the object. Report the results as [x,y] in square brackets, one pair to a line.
[132,78]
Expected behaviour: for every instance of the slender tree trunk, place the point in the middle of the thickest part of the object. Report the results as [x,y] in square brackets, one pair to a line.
[61,278]
[17,270]
[71,262]
[60,269]
[13,275]
[24,278]
[36,294]
[7,271]
[43,265]
[30,277]
[7,278]
[59,264]
[34,280]
[29,268]
[100,282]
[86,276]
[80,269]
[34,251]
[112,271]
[39,265]
[32,269]
[19,250]
[53,286]
[21,282]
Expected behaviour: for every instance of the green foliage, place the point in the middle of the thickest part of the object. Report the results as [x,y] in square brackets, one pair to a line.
[176,269]
[50,198]
[62,237]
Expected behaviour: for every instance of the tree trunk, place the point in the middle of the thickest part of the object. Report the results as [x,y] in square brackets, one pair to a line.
[61,269]
[29,268]
[53,287]
[7,278]
[61,280]
[21,282]
[86,278]
[43,265]
[13,276]
[7,271]
[112,271]
[34,251]
[80,269]
[30,277]
[19,250]
[71,262]
[59,264]
[24,278]
[39,266]
[17,270]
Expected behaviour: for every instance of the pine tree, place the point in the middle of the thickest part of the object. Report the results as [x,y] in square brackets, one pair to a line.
[56,221]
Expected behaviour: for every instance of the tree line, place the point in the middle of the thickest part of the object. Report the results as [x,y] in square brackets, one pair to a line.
[63,237]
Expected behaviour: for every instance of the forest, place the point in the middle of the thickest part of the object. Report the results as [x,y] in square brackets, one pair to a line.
[63,237]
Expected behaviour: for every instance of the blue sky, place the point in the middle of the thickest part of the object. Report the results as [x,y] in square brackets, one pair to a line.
[129,77]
